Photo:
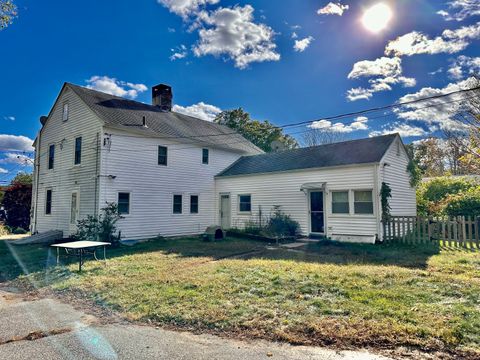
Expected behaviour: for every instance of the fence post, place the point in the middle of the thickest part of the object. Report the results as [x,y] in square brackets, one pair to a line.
[477,240]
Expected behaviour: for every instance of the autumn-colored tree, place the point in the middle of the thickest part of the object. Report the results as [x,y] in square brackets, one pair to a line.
[17,201]
[260,133]
[8,11]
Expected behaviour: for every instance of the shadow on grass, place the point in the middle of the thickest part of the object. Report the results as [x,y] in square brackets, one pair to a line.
[22,260]
[17,260]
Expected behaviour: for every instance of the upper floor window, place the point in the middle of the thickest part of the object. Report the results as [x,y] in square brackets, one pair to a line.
[162,155]
[340,204]
[363,202]
[177,204]
[51,156]
[245,203]
[78,151]
[65,111]
[48,202]
[124,203]
[194,204]
[205,154]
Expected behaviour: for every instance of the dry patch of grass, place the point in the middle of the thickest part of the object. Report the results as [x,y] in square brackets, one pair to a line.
[345,295]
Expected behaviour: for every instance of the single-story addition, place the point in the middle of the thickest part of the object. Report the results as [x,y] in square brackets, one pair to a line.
[175,175]
[331,190]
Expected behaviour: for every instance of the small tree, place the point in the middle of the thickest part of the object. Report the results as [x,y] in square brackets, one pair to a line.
[100,228]
[17,201]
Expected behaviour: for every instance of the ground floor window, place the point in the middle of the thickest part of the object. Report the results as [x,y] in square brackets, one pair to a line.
[48,202]
[177,204]
[124,203]
[245,203]
[340,202]
[363,202]
[194,204]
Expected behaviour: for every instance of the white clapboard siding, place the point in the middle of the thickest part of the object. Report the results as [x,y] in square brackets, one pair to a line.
[133,161]
[394,172]
[66,177]
[283,189]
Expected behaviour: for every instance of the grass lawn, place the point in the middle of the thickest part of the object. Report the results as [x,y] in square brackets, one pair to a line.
[337,294]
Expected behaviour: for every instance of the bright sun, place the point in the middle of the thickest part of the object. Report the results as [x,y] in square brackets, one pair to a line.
[377,17]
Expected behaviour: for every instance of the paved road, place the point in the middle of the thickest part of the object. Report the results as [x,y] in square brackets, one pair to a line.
[49,329]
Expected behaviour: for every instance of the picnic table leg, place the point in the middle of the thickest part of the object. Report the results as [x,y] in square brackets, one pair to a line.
[58,256]
[81,259]
[104,254]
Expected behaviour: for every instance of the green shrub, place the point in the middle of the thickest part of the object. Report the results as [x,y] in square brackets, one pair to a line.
[434,196]
[464,204]
[282,225]
[101,227]
[19,231]
[4,230]
[251,227]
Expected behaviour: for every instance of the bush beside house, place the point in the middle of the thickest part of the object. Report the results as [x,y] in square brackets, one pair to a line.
[449,196]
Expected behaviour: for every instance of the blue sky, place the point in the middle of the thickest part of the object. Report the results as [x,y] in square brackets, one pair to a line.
[285,61]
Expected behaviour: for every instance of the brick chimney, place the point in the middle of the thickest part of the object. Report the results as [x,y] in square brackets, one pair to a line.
[162,97]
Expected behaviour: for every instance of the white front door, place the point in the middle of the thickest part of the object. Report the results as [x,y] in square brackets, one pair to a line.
[74,210]
[225,211]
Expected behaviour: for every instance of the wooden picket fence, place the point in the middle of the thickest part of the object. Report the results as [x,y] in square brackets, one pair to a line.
[458,231]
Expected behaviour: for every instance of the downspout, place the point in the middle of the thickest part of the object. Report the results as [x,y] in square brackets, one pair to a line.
[96,174]
[376,174]
[37,180]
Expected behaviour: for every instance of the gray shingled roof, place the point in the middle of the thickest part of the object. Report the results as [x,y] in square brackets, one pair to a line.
[361,151]
[128,115]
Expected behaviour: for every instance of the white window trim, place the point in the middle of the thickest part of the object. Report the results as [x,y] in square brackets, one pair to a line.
[190,204]
[372,214]
[54,156]
[173,201]
[81,151]
[238,205]
[129,202]
[78,207]
[349,202]
[51,202]
[158,152]
[208,156]
[65,103]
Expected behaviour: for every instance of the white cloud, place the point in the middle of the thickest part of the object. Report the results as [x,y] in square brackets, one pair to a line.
[232,32]
[404,130]
[451,41]
[464,64]
[14,158]
[333,9]
[3,171]
[115,87]
[360,123]
[386,72]
[302,45]
[436,112]
[294,35]
[9,118]
[460,10]
[186,8]
[383,66]
[359,93]
[201,110]
[15,143]
[180,52]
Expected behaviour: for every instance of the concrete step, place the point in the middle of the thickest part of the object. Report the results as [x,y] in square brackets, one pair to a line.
[48,237]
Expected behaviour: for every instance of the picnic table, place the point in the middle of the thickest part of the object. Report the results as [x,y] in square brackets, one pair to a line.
[81,248]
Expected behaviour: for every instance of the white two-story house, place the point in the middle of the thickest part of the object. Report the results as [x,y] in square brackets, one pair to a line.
[174,175]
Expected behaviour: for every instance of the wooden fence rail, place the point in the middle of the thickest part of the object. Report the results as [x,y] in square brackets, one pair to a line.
[458,231]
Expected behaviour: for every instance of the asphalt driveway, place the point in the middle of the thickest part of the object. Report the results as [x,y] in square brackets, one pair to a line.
[50,329]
